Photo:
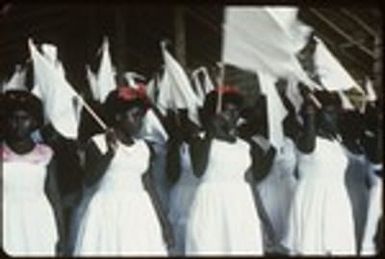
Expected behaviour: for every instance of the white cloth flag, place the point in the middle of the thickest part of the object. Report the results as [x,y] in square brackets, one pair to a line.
[175,90]
[370,93]
[56,93]
[332,74]
[151,89]
[254,40]
[105,78]
[276,111]
[294,95]
[206,87]
[198,85]
[131,78]
[286,17]
[17,81]
[49,51]
[92,81]
[345,102]
[153,129]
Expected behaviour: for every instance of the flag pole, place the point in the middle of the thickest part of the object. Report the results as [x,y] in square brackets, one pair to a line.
[88,108]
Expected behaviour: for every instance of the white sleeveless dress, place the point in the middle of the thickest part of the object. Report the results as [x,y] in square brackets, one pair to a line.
[357,184]
[321,218]
[181,197]
[29,226]
[120,219]
[374,213]
[277,189]
[223,218]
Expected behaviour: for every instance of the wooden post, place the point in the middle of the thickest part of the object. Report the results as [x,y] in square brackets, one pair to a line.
[378,86]
[180,35]
[120,44]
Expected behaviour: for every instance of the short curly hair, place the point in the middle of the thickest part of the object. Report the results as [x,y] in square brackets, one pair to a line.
[229,95]
[123,99]
[22,100]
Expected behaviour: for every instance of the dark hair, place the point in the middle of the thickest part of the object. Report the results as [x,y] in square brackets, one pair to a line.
[232,96]
[123,99]
[22,100]
[328,98]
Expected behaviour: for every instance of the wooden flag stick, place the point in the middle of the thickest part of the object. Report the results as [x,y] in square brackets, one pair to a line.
[315,101]
[101,123]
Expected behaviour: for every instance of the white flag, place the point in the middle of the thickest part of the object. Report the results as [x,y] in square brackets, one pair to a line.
[132,78]
[17,81]
[151,89]
[198,85]
[370,93]
[153,129]
[276,111]
[92,81]
[346,104]
[254,40]
[105,77]
[175,88]
[56,93]
[206,87]
[332,74]
[287,18]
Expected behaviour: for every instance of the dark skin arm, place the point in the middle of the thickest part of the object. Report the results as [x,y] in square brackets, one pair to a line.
[199,152]
[173,163]
[53,194]
[200,147]
[261,161]
[149,185]
[306,140]
[97,163]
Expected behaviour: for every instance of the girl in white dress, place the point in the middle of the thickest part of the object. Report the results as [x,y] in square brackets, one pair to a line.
[277,189]
[223,218]
[32,214]
[372,241]
[321,218]
[357,174]
[123,216]
[180,174]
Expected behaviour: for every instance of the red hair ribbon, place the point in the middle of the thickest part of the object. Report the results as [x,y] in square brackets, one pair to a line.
[129,93]
[227,89]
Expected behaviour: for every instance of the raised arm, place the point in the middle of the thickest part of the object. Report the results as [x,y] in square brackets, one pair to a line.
[149,185]
[306,140]
[97,163]
[52,191]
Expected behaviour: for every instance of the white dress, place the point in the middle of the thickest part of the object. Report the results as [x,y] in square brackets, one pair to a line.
[277,189]
[358,190]
[120,219]
[28,218]
[223,218]
[181,197]
[321,218]
[375,211]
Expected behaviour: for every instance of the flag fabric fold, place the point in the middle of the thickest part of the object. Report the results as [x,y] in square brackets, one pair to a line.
[276,111]
[332,74]
[17,80]
[56,94]
[175,90]
[202,88]
[103,82]
[254,40]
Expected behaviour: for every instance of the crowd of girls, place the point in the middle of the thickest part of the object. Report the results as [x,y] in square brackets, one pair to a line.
[229,191]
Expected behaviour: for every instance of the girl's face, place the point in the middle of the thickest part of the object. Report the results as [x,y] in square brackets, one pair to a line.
[230,113]
[131,120]
[21,124]
[328,118]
